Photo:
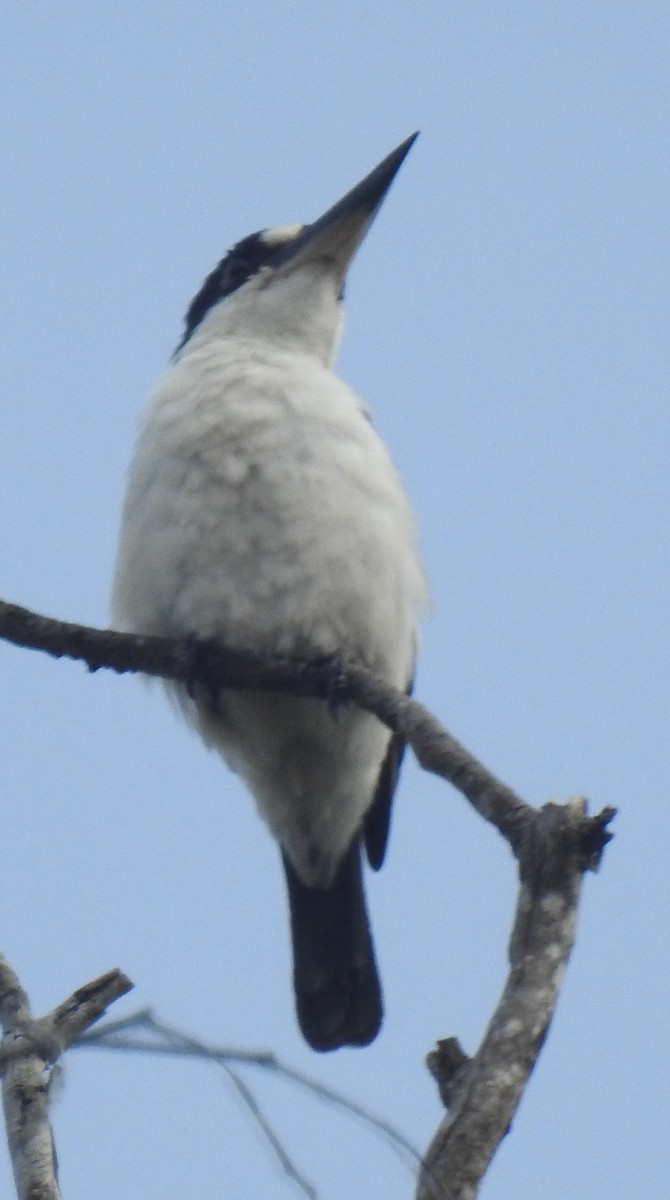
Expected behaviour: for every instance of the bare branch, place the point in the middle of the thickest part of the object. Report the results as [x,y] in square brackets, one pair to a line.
[554,846]
[482,1093]
[29,1049]
[288,1166]
[211,666]
[142,1033]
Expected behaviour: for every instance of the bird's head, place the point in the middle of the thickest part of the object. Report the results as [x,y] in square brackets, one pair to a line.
[285,285]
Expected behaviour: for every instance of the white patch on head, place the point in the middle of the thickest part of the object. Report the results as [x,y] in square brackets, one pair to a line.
[280,234]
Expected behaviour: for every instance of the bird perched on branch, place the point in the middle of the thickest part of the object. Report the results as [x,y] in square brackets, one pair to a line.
[263,510]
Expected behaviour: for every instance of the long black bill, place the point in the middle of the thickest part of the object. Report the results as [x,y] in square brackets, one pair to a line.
[336,235]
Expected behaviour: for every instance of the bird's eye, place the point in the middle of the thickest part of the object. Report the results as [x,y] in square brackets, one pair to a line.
[239,265]
[237,272]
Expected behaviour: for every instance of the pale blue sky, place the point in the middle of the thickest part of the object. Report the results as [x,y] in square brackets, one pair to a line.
[507,323]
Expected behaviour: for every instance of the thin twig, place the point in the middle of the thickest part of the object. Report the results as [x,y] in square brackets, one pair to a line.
[111,1037]
[254,1108]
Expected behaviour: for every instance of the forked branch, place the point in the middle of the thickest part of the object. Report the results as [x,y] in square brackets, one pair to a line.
[553,845]
[30,1048]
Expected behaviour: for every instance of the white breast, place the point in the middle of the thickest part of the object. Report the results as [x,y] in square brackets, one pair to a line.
[263,509]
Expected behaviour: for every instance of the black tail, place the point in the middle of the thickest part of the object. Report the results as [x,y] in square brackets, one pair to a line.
[337,990]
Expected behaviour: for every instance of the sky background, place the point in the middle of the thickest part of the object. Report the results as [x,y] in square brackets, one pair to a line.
[507,323]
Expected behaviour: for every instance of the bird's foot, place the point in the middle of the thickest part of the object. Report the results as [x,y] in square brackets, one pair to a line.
[336,688]
[192,654]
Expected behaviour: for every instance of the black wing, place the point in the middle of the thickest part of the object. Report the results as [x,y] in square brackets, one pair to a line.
[378,817]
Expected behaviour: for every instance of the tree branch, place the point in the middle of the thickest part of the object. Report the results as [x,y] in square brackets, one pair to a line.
[212,666]
[482,1093]
[554,846]
[29,1050]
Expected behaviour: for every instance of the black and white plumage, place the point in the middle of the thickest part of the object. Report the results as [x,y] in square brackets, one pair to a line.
[263,510]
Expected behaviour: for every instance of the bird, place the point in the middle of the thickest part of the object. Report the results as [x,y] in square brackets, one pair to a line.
[263,510]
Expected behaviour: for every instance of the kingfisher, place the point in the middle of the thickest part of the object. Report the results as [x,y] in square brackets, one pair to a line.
[263,511]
